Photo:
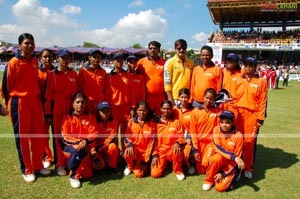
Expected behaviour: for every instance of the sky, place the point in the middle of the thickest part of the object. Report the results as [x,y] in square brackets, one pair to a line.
[107,23]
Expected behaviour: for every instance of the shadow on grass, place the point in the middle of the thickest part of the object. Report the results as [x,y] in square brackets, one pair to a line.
[103,176]
[268,158]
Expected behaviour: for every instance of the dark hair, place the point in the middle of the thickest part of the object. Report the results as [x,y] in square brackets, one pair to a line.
[208,48]
[184,91]
[212,91]
[181,42]
[166,102]
[77,95]
[44,50]
[24,36]
[150,112]
[154,43]
[172,116]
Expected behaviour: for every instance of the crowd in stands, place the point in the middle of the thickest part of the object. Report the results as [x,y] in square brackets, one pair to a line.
[280,38]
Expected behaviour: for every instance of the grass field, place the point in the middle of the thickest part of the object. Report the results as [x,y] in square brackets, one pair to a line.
[277,168]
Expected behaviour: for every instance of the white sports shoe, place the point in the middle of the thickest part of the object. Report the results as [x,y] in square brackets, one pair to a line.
[45,172]
[47,165]
[191,170]
[126,171]
[248,174]
[29,178]
[206,187]
[61,171]
[180,177]
[75,183]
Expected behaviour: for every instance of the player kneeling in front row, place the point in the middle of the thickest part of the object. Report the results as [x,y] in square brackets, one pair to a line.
[226,164]
[79,130]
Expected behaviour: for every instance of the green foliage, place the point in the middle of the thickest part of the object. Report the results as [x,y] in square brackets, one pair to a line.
[276,170]
[137,46]
[90,45]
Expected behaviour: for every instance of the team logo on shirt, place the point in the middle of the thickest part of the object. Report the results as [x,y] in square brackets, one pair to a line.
[254,85]
[234,79]
[100,77]
[230,143]
[187,117]
[34,66]
[84,122]
[72,79]
[137,81]
[172,129]
[212,115]
[159,67]
[109,129]
[125,80]
[147,132]
[208,74]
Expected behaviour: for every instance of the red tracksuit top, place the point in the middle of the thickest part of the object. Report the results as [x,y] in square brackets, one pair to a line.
[230,147]
[140,138]
[43,73]
[119,89]
[92,83]
[77,128]
[60,86]
[20,78]
[138,80]
[108,133]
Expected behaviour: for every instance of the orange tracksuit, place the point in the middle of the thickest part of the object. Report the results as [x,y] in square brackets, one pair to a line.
[106,144]
[92,84]
[74,130]
[60,89]
[119,93]
[229,79]
[42,82]
[153,72]
[185,117]
[21,92]
[202,79]
[138,80]
[202,124]
[142,139]
[167,135]
[251,100]
[227,147]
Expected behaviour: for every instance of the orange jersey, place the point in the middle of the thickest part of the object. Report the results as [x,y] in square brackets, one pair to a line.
[142,138]
[60,86]
[20,78]
[153,72]
[138,80]
[252,95]
[119,89]
[184,116]
[107,133]
[43,73]
[228,145]
[202,79]
[229,79]
[202,125]
[92,83]
[168,134]
[75,129]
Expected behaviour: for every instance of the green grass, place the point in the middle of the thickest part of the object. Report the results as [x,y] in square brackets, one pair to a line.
[277,168]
